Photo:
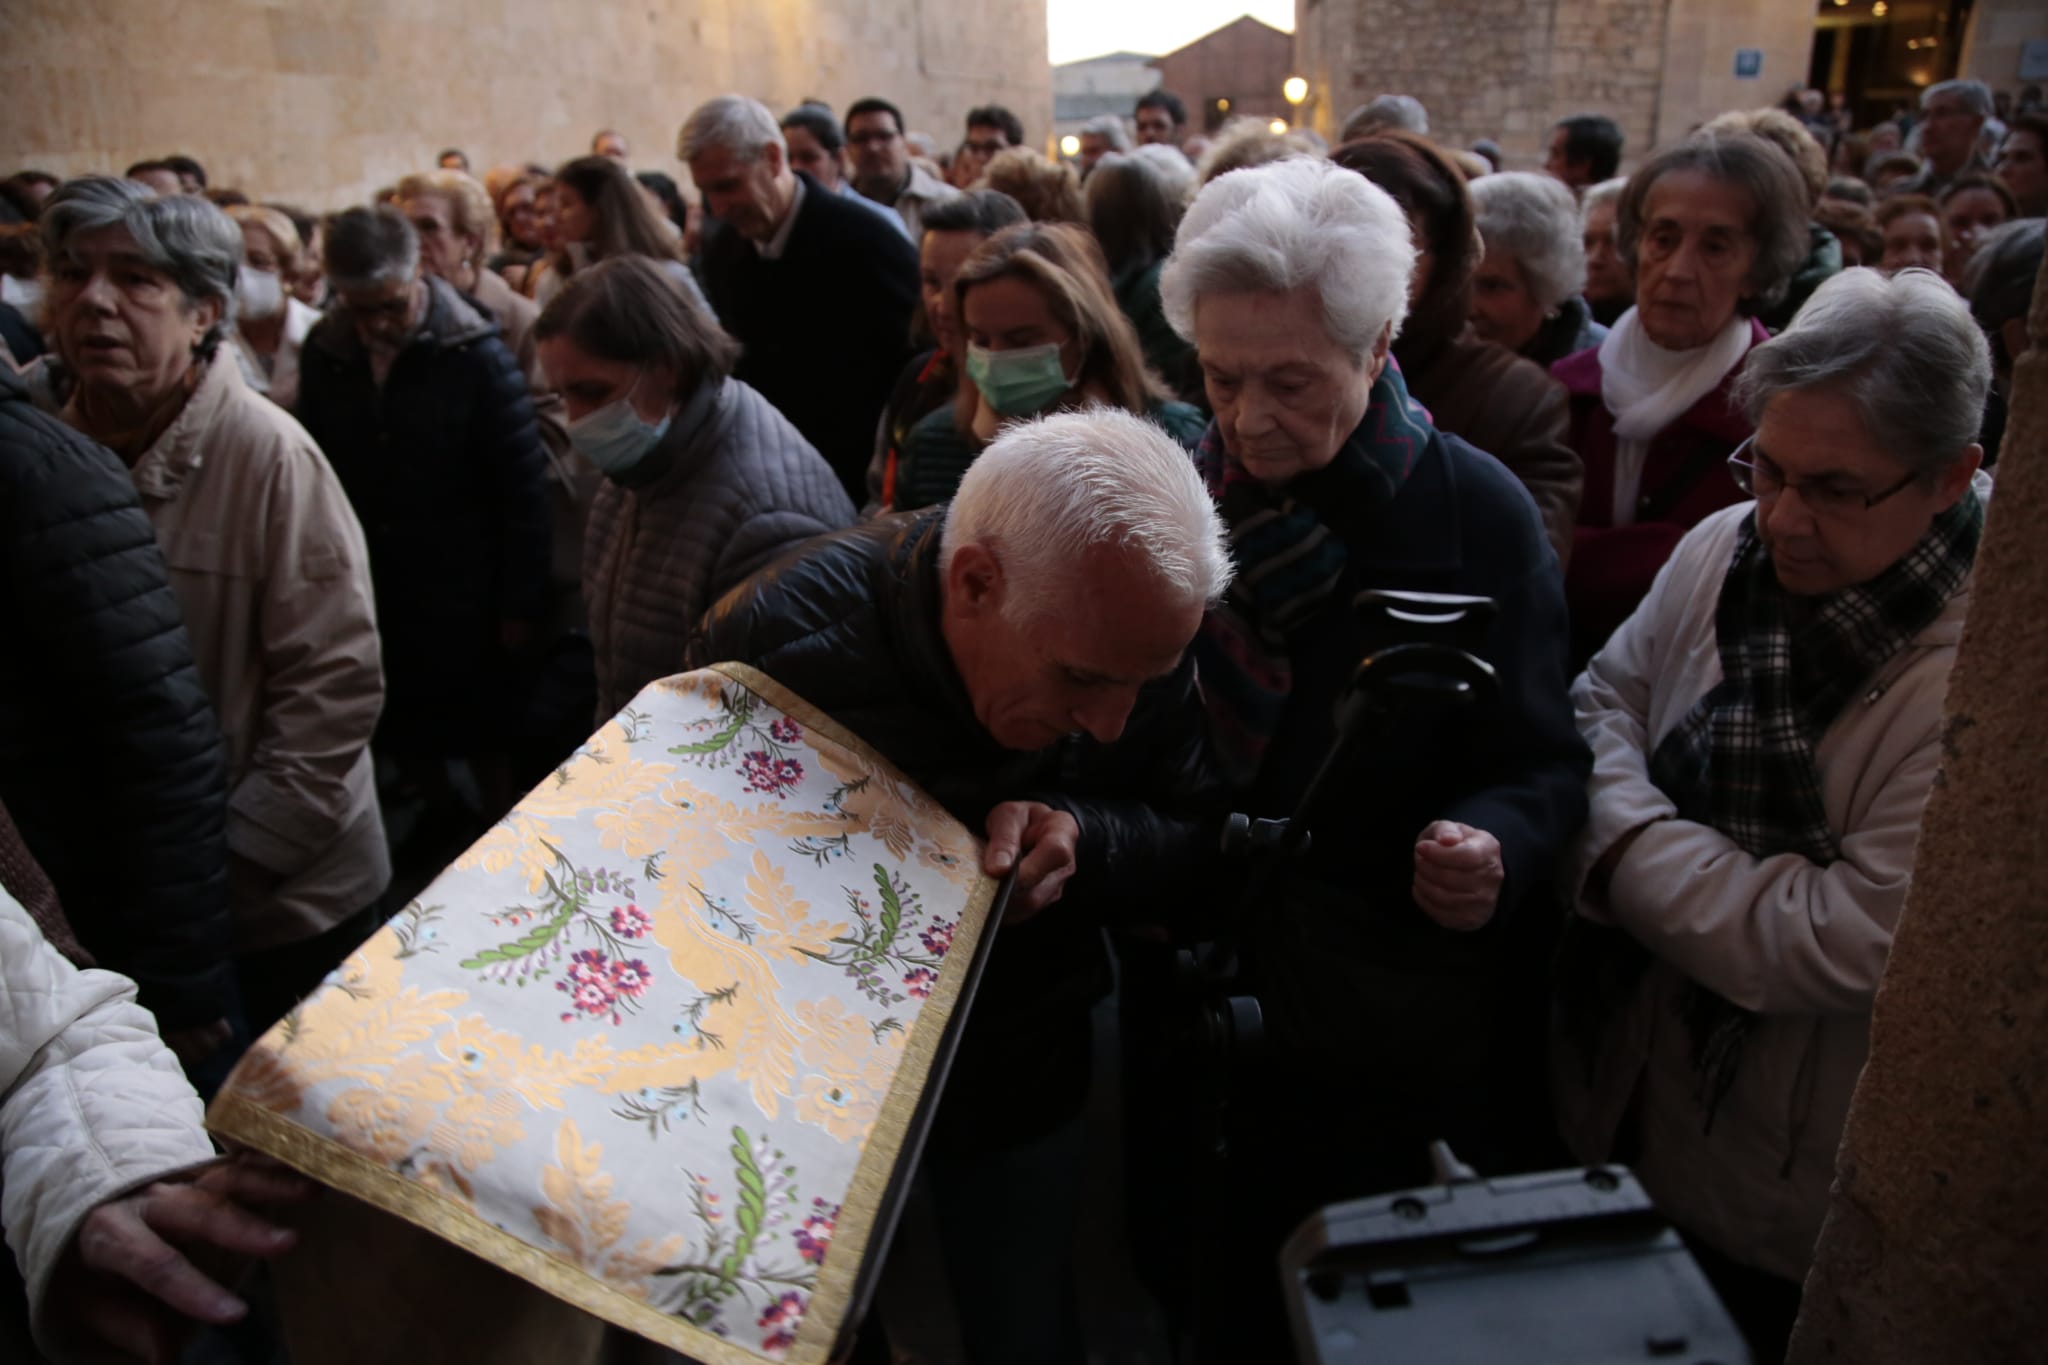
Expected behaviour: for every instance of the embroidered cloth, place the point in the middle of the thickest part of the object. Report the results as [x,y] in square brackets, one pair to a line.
[658,1043]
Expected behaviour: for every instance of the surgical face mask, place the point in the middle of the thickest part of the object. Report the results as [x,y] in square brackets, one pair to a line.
[1018,382]
[614,437]
[259,293]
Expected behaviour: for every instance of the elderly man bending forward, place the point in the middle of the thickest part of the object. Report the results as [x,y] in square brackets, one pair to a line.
[1020,654]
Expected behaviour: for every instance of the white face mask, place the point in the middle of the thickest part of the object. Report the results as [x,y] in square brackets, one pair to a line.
[259,293]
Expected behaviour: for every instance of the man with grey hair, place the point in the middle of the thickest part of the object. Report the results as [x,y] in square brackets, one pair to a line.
[818,292]
[1020,655]
[1099,137]
[1952,115]
[1387,113]
[429,422]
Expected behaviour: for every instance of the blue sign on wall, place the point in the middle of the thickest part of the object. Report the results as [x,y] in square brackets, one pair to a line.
[1749,63]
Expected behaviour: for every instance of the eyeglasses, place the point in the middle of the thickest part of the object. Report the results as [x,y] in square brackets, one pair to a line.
[1764,481]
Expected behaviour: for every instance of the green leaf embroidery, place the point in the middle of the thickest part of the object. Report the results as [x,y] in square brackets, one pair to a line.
[753,1206]
[741,709]
[543,934]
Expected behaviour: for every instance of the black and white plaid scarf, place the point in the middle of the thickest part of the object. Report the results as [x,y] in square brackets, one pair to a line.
[1742,760]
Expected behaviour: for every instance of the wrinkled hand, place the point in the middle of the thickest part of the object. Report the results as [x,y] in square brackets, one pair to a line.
[1047,840]
[127,1283]
[1458,875]
[194,1045]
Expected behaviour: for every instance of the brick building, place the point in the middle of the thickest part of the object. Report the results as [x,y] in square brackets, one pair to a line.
[321,101]
[1237,70]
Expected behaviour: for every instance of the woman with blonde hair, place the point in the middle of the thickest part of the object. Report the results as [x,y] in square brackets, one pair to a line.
[1050,191]
[1044,333]
[599,214]
[270,325]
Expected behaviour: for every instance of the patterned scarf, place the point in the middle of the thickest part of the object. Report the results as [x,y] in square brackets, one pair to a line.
[1289,561]
[1742,760]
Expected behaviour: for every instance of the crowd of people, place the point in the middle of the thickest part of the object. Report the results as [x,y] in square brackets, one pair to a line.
[1060,484]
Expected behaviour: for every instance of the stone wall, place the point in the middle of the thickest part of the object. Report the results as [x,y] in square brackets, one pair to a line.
[1998,30]
[1509,69]
[318,102]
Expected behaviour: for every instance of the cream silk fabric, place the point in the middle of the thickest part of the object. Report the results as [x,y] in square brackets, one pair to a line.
[655,1042]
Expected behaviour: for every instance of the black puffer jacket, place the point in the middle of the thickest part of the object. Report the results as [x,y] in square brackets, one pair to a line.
[110,757]
[444,466]
[850,622]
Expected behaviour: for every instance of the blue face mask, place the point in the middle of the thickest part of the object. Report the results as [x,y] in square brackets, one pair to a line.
[1018,382]
[614,437]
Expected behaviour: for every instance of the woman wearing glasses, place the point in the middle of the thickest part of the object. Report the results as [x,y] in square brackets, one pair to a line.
[1714,229]
[1765,730]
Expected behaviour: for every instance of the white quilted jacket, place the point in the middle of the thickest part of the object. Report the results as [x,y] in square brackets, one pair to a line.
[92,1104]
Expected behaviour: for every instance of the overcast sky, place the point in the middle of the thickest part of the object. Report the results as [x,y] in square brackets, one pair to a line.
[1089,28]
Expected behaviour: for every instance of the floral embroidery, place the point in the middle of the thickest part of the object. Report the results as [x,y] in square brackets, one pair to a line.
[871,950]
[715,963]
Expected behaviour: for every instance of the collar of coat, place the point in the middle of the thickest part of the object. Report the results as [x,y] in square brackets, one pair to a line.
[181,448]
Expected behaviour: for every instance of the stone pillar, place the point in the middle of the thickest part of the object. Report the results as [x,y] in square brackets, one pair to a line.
[1935,1247]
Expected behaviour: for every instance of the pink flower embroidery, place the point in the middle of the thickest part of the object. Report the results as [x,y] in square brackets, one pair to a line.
[631,978]
[938,938]
[782,1316]
[786,731]
[630,921]
[589,967]
[775,776]
[814,1238]
[918,981]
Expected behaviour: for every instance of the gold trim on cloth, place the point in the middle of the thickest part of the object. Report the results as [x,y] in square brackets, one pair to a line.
[240,1114]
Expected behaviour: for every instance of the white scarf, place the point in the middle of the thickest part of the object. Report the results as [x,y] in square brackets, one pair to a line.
[1647,388]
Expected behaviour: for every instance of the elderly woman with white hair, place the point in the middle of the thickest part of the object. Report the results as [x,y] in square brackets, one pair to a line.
[1394,957]
[265,555]
[1525,293]
[1765,731]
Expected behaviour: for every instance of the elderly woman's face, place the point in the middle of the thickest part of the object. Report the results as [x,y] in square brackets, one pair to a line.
[123,326]
[259,249]
[1503,309]
[1816,464]
[1286,395]
[443,250]
[1693,258]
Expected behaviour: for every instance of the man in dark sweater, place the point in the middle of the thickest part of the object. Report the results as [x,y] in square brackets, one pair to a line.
[819,292]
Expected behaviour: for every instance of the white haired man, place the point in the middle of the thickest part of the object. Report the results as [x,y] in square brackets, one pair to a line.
[1397,958]
[1020,653]
[818,291]
[1952,115]
[1100,137]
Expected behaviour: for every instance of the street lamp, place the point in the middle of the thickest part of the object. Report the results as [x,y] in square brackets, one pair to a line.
[1070,145]
[1277,126]
[1296,90]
